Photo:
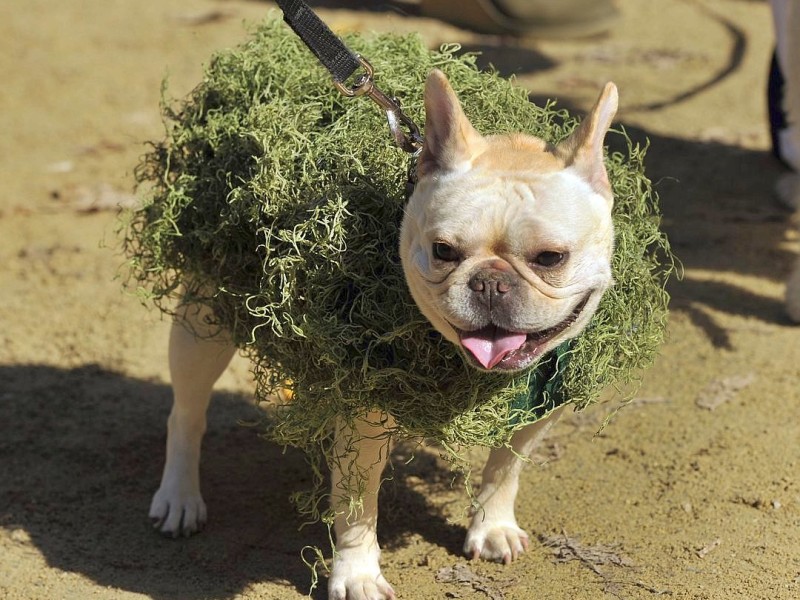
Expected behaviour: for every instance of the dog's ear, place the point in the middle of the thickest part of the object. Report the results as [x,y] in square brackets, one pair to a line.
[451,142]
[584,148]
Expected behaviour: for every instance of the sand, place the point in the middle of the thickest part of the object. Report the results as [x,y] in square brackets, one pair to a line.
[692,492]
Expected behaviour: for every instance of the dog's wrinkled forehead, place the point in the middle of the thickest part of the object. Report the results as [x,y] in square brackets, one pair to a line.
[512,205]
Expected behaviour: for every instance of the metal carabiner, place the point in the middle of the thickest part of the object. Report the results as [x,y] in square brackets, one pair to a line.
[410,140]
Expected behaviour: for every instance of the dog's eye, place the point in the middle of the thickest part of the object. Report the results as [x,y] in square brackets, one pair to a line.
[445,252]
[548,258]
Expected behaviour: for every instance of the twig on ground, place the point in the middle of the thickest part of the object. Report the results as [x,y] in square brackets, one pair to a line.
[462,574]
[566,549]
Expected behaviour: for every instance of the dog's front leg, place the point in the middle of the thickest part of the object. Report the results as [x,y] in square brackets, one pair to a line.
[360,453]
[494,533]
[197,357]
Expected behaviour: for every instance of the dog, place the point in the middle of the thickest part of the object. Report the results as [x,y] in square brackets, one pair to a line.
[506,246]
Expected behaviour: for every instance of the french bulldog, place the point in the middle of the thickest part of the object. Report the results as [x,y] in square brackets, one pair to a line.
[506,246]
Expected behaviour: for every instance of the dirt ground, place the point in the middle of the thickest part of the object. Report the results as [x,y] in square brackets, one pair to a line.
[693,492]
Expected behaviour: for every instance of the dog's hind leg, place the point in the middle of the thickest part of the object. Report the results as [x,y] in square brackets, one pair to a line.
[493,533]
[198,354]
[360,453]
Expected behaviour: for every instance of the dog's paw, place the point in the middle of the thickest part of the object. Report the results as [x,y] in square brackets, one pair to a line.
[498,541]
[177,511]
[357,575]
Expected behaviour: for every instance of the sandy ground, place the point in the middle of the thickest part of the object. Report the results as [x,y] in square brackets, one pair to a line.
[673,499]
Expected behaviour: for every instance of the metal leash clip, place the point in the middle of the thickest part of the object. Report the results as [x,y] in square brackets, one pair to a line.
[410,140]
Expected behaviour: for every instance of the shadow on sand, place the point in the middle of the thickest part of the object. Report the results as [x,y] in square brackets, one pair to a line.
[82,451]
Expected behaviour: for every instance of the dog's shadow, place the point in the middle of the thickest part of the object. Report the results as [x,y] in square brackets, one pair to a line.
[82,451]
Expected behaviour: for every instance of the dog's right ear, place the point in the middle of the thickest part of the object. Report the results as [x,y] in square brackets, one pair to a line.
[451,142]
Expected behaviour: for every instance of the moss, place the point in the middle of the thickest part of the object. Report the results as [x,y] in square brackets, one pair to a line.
[279,202]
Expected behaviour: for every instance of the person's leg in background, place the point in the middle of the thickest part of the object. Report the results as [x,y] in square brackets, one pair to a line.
[784,83]
[784,116]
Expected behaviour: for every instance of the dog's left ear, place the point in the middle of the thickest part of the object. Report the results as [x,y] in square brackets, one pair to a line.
[451,142]
[584,148]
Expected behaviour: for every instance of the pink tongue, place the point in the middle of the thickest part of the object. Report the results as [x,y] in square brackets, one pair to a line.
[491,344]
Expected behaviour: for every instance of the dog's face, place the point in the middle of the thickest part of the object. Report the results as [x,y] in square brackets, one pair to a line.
[506,242]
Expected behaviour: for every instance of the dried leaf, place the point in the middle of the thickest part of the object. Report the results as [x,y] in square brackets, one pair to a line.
[94,198]
[702,552]
[720,391]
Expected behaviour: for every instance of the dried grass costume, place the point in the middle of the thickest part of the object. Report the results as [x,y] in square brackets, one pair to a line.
[280,201]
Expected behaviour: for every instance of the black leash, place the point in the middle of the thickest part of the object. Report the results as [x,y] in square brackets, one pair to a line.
[342,64]
[329,49]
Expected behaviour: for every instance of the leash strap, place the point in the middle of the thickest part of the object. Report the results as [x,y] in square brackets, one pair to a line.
[342,64]
[325,45]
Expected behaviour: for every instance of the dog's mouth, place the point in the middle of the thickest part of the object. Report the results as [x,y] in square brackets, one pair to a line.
[493,347]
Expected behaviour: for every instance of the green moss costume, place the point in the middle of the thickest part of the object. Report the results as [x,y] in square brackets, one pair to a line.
[280,202]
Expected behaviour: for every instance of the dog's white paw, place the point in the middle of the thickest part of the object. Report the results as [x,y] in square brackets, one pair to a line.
[356,575]
[178,509]
[495,540]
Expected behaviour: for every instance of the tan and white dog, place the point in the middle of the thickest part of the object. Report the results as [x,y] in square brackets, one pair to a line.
[506,247]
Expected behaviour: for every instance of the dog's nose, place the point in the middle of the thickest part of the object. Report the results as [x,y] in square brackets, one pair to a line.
[491,284]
